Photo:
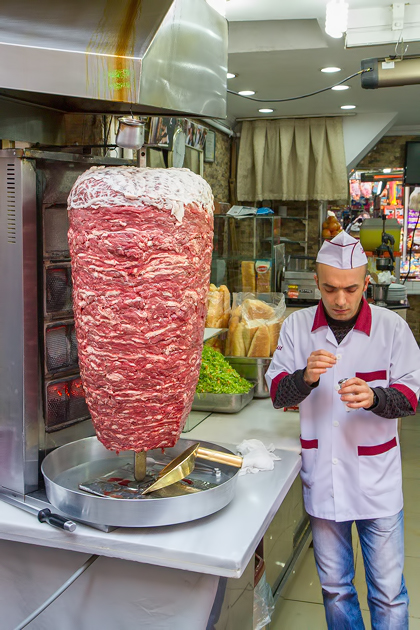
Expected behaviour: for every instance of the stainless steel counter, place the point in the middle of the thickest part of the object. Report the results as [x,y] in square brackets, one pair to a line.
[221,544]
[160,578]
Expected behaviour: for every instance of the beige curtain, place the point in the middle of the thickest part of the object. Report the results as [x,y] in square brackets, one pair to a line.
[292,159]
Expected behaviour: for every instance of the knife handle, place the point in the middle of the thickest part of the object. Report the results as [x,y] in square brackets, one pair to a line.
[46,516]
[219,457]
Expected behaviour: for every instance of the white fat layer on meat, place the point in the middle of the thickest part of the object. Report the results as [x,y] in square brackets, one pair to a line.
[168,189]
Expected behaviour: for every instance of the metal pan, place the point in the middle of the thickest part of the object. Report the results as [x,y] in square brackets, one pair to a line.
[68,466]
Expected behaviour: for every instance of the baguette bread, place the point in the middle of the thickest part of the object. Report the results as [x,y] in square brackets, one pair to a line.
[234,321]
[248,276]
[257,309]
[260,345]
[238,345]
[226,297]
[237,312]
[215,302]
[274,331]
[218,307]
[248,334]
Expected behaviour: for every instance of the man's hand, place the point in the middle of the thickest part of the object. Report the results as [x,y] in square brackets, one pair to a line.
[317,364]
[357,394]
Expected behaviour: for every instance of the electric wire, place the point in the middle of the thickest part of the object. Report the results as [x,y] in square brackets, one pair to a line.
[57,593]
[296,98]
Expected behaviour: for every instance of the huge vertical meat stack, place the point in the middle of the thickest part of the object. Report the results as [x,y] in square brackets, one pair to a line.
[141,244]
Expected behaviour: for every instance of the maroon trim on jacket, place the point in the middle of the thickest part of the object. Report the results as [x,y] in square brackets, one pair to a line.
[363,322]
[408,393]
[379,375]
[309,443]
[275,383]
[378,449]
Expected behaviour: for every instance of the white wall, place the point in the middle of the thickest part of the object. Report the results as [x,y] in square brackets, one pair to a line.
[362,132]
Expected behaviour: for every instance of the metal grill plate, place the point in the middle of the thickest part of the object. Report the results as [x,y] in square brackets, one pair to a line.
[70,465]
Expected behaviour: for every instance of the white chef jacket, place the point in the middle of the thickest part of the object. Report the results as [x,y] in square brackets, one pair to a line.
[351,461]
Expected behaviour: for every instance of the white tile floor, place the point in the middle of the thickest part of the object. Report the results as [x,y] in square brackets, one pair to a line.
[300,607]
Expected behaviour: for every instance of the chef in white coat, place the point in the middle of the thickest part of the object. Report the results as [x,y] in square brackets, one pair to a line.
[353,368]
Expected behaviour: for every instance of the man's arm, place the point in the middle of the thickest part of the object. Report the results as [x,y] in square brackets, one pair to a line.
[292,390]
[391,403]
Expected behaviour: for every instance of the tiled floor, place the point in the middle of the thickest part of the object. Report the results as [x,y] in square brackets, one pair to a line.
[300,607]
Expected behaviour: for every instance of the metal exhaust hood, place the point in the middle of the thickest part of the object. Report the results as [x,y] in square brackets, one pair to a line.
[115,56]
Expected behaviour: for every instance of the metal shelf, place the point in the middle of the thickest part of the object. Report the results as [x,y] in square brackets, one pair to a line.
[288,240]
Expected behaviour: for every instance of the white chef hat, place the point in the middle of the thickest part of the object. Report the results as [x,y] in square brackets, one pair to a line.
[342,252]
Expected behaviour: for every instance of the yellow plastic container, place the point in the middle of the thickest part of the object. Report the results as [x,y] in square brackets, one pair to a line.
[371,233]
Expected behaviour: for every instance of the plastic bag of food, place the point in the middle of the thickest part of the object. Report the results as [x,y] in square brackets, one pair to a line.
[263,603]
[218,307]
[254,326]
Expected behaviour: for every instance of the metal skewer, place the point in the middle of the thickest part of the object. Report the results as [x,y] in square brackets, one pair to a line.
[140,466]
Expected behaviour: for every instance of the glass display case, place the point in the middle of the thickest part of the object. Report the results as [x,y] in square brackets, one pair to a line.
[244,252]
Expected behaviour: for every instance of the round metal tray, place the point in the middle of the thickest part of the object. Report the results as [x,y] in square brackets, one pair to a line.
[68,466]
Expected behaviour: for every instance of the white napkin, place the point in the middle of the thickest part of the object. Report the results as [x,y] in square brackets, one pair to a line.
[256,456]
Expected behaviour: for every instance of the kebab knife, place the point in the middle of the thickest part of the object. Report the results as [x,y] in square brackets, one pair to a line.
[44,516]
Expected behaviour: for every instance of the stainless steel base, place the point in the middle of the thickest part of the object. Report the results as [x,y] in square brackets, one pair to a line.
[68,466]
[253,369]
[222,403]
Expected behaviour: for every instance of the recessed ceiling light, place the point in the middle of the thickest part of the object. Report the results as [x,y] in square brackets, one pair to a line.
[348,107]
[246,92]
[331,69]
[340,87]
[230,75]
[266,110]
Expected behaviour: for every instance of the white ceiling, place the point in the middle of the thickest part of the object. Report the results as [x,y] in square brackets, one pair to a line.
[301,49]
[238,10]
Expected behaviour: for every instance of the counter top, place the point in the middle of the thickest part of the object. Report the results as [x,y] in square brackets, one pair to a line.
[257,420]
[221,544]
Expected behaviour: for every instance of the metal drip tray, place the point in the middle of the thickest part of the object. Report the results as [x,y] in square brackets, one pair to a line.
[106,476]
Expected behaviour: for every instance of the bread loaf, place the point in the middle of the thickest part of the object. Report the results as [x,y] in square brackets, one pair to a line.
[226,297]
[215,302]
[263,273]
[234,321]
[248,276]
[238,345]
[274,332]
[248,334]
[218,307]
[257,309]
[260,346]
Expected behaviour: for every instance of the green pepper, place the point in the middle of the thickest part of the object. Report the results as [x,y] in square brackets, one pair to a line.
[218,377]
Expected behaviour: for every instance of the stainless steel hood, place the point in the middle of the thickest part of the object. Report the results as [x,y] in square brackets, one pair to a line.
[113,56]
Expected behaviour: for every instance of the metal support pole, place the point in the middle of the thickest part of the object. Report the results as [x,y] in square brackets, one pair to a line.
[140,466]
[405,222]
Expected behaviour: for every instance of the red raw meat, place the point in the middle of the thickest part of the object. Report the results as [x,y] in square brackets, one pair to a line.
[140,244]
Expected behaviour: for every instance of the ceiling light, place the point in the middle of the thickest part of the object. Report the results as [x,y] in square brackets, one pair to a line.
[330,69]
[266,110]
[336,18]
[230,75]
[340,87]
[246,92]
[348,107]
